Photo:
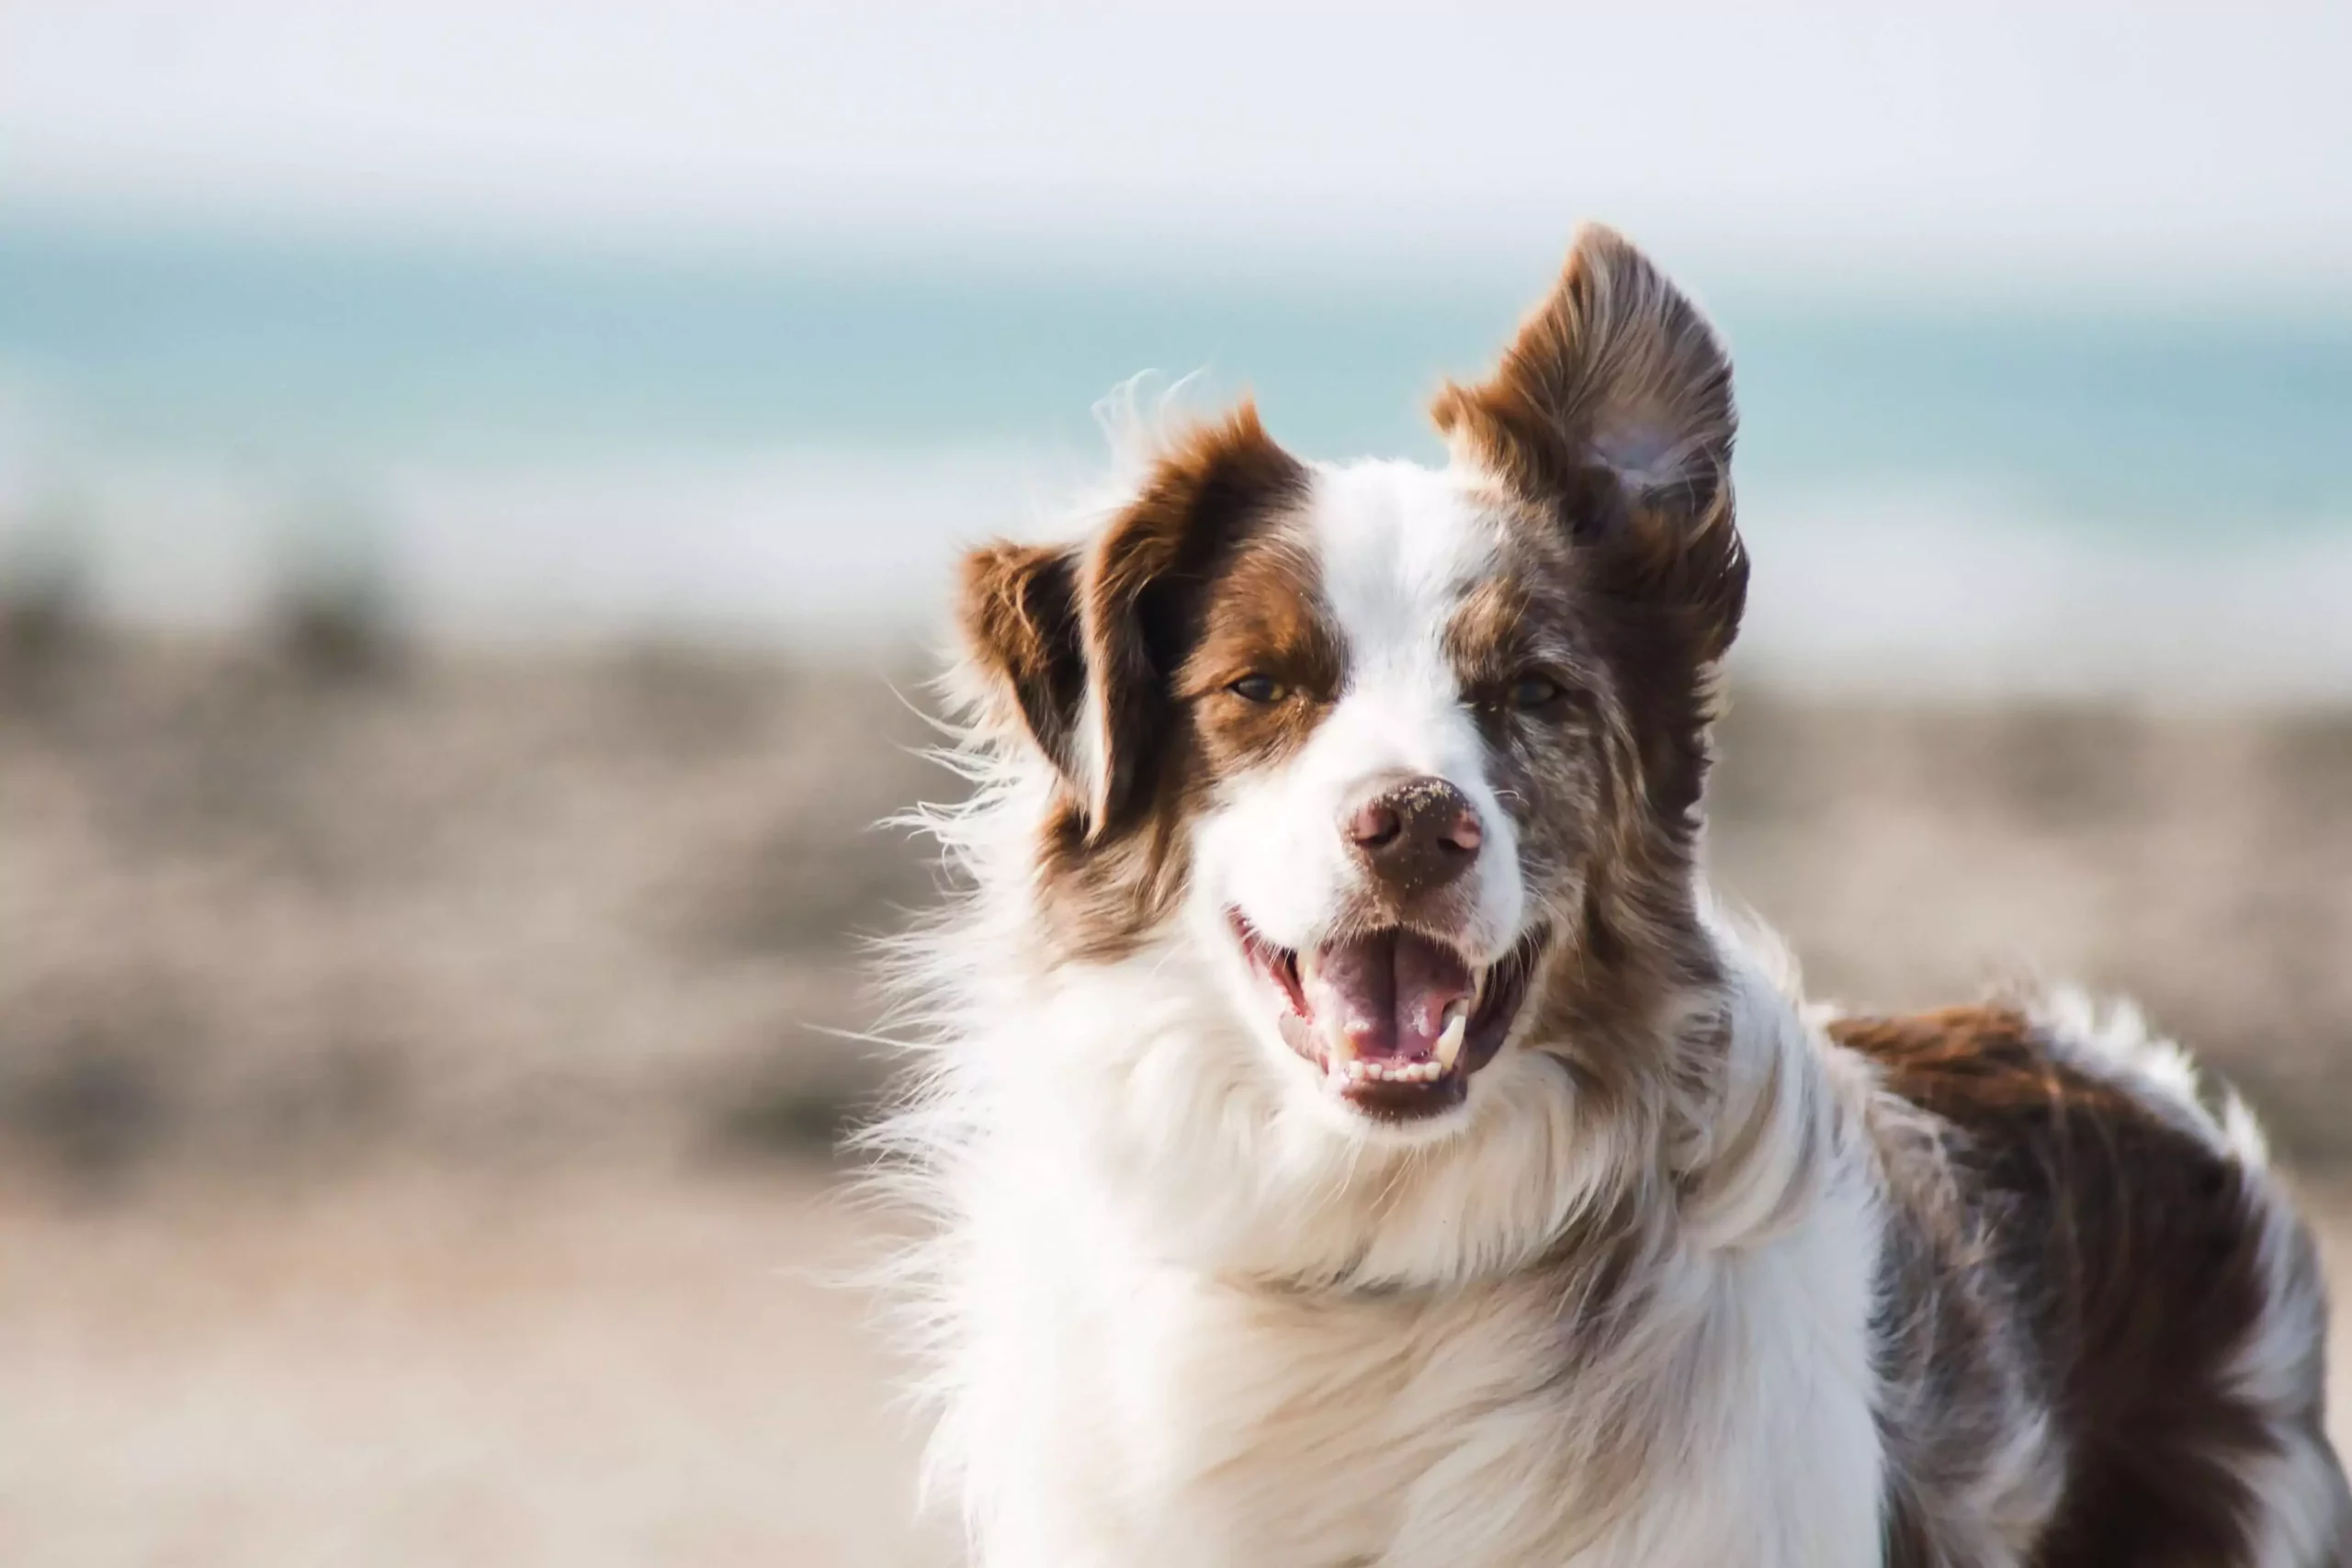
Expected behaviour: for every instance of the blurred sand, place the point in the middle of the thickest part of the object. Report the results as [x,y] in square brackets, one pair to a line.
[416,1070]
[574,1372]
[582,1370]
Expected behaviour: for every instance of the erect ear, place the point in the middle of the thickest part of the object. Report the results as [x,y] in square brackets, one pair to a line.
[1082,642]
[1612,409]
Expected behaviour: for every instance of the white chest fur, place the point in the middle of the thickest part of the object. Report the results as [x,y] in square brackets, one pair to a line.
[1105,1409]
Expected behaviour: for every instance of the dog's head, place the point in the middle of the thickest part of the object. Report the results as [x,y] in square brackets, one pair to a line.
[1410,758]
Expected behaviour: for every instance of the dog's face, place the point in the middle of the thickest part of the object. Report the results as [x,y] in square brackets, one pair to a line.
[1411,757]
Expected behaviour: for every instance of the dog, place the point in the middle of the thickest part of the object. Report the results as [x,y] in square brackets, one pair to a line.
[1351,1135]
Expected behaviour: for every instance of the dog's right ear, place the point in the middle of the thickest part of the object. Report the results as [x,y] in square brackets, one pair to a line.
[1017,609]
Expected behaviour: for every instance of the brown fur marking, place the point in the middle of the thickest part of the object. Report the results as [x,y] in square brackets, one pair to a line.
[1017,609]
[1195,584]
[1617,368]
[1265,618]
[1152,576]
[2128,1248]
[1608,429]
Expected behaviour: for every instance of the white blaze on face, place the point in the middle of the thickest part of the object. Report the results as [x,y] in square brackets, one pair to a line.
[1396,546]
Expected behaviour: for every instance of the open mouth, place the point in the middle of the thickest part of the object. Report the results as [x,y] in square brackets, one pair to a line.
[1396,1020]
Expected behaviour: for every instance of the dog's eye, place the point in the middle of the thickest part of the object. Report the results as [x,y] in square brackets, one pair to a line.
[1532,692]
[1258,689]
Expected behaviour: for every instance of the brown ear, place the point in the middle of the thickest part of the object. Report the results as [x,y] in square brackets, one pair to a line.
[1064,633]
[1017,608]
[1613,407]
[1146,584]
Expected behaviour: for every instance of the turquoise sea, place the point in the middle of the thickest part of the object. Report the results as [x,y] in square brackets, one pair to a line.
[532,444]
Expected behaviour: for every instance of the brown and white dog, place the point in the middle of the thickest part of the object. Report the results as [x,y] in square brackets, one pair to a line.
[1353,1139]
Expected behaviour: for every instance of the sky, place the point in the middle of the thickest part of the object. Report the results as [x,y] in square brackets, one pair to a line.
[2062,137]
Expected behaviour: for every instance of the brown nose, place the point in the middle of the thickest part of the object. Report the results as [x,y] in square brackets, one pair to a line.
[1416,834]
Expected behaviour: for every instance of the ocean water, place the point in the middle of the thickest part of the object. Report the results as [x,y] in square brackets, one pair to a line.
[792,448]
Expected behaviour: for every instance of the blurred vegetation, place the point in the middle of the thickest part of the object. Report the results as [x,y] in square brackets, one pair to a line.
[336,615]
[265,907]
[48,616]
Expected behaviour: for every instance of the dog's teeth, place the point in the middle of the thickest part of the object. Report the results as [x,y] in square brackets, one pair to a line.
[1357,1070]
[1391,1072]
[1449,1044]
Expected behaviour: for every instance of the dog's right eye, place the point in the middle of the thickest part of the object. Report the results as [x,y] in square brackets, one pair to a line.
[1257,689]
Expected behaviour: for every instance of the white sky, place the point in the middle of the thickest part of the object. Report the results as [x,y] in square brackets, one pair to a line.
[2067,136]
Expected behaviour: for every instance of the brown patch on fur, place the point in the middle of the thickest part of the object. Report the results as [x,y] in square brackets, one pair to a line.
[1153,573]
[1016,606]
[1608,429]
[1615,368]
[1611,416]
[1193,586]
[1265,618]
[2065,1231]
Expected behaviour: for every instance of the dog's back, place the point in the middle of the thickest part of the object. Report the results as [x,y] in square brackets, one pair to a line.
[2080,1232]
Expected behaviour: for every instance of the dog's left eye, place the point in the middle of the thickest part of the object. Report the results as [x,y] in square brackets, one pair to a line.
[1532,692]
[1257,689]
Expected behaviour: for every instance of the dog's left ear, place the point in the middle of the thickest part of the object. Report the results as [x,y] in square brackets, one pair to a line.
[1612,409]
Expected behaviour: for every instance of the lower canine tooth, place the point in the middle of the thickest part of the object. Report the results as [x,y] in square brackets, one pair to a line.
[1449,1044]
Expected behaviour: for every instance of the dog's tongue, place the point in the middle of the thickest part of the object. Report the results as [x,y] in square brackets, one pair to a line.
[1383,998]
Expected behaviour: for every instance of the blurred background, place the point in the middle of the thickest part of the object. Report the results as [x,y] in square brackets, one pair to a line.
[477,485]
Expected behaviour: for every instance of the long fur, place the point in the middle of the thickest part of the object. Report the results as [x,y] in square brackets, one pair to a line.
[1698,1273]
